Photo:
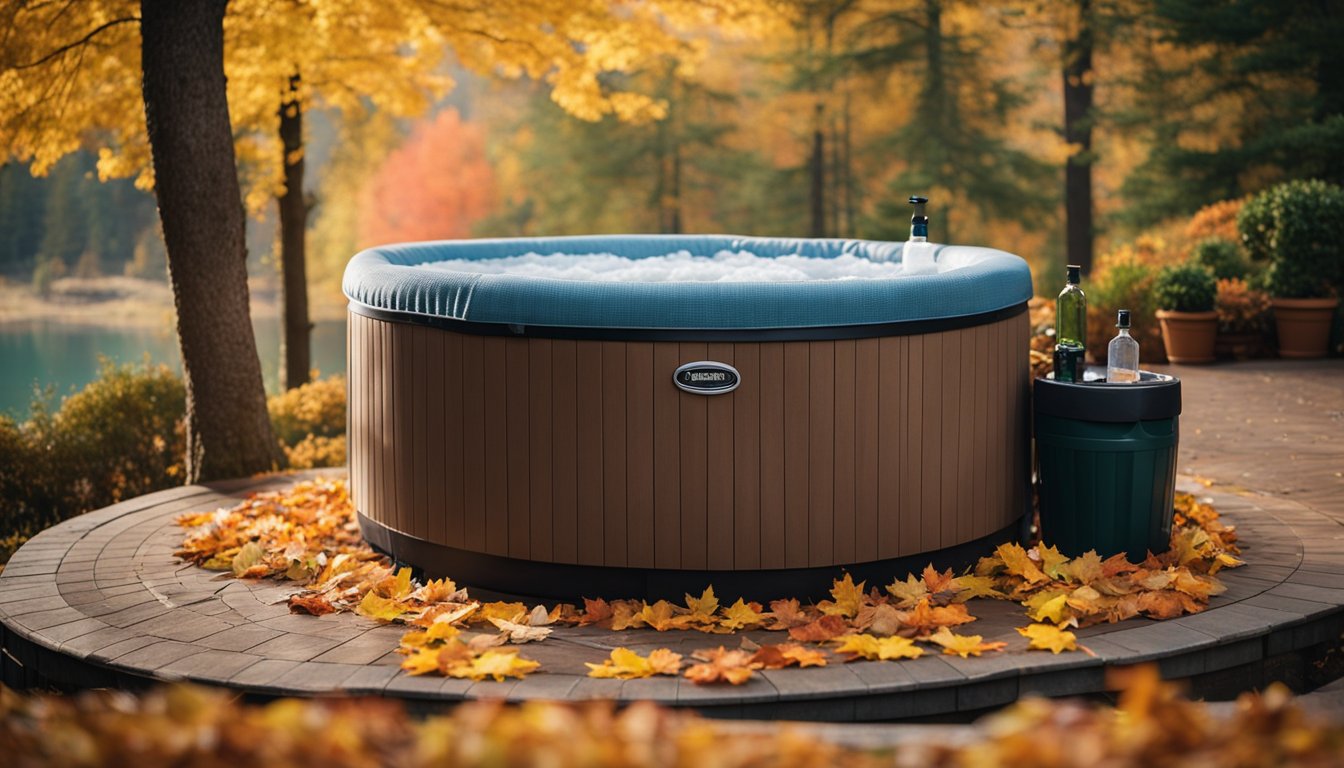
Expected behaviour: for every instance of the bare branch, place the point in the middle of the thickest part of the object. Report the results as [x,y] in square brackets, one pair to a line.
[77,43]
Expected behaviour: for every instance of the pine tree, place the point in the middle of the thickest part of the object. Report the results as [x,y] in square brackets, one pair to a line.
[1237,94]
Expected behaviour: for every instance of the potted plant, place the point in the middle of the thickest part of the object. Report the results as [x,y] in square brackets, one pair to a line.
[1243,313]
[1185,294]
[1298,228]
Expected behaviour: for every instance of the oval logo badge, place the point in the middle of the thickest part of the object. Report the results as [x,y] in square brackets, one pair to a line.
[706,377]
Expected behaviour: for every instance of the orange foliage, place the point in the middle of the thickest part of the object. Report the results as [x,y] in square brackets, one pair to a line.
[438,185]
[1216,220]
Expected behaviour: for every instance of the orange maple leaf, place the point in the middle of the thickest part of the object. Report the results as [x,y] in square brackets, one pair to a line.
[720,665]
[822,629]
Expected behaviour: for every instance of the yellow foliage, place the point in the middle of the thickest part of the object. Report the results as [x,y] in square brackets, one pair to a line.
[351,55]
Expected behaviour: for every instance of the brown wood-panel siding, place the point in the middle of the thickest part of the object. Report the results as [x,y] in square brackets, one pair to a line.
[639,461]
[585,452]
[720,533]
[773,490]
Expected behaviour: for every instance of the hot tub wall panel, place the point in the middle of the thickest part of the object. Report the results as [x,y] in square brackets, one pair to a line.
[584,452]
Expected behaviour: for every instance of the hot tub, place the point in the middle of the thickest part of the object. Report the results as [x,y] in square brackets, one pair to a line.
[551,436]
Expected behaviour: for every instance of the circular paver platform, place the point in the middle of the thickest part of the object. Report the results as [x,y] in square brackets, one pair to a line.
[101,600]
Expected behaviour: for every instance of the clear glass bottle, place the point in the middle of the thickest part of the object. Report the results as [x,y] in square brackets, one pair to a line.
[1122,354]
[1071,312]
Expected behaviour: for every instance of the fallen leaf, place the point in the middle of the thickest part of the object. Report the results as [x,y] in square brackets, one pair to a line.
[786,614]
[786,655]
[1048,637]
[720,665]
[1017,563]
[742,615]
[847,598]
[313,605]
[964,646]
[924,618]
[878,648]
[704,606]
[658,616]
[822,629]
[381,608]
[521,633]
[625,664]
[595,612]
[495,664]
[908,592]
[247,557]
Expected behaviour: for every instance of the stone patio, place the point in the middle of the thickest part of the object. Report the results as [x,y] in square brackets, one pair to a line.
[101,600]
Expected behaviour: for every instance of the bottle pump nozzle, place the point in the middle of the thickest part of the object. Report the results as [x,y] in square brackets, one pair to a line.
[919,223]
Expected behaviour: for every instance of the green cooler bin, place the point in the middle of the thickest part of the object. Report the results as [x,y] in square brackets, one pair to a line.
[1106,463]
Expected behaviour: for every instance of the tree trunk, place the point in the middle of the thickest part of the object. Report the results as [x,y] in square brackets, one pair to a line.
[201,210]
[1078,131]
[817,170]
[293,231]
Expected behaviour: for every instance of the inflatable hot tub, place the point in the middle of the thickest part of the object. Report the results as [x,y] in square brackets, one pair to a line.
[642,416]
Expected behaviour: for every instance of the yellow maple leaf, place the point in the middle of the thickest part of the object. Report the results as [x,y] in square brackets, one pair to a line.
[659,616]
[498,610]
[381,608]
[1048,606]
[1048,637]
[963,645]
[703,606]
[422,661]
[908,592]
[1051,560]
[624,616]
[1084,569]
[625,664]
[969,586]
[742,615]
[494,664]
[847,598]
[1018,563]
[879,648]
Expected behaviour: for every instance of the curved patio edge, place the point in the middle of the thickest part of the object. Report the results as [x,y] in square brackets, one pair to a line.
[100,600]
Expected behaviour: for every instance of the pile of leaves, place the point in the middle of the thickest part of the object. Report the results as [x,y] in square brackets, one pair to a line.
[307,534]
[1153,727]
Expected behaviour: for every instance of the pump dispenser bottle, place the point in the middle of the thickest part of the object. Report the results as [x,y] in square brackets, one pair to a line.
[917,257]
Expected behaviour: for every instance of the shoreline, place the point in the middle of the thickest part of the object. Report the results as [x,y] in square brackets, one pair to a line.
[126,303]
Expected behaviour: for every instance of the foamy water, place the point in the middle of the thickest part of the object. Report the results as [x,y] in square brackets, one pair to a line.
[681,266]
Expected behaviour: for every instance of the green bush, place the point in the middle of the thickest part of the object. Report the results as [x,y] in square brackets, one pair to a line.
[1185,287]
[121,436]
[1298,227]
[316,408]
[1223,257]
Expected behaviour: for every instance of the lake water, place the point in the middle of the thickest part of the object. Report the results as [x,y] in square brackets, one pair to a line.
[66,357]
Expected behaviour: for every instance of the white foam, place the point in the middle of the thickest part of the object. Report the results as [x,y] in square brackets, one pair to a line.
[680,266]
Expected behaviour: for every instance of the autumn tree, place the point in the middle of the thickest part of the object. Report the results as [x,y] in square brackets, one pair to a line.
[436,186]
[935,58]
[1236,95]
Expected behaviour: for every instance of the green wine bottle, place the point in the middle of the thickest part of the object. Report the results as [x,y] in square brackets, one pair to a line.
[1071,312]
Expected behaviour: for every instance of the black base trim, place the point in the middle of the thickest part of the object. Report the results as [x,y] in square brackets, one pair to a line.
[817,333]
[509,576]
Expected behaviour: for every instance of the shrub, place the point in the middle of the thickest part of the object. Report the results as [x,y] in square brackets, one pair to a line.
[1223,257]
[314,409]
[1122,285]
[1185,288]
[1217,220]
[1241,308]
[121,436]
[1298,227]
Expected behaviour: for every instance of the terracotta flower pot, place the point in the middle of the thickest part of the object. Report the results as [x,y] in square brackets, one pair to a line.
[1303,325]
[1188,336]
